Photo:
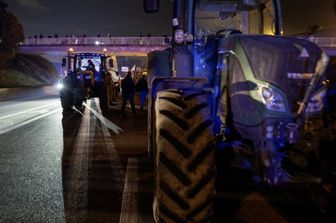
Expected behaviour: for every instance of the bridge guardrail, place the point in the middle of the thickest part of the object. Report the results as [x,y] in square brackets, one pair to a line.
[73,40]
[97,41]
[323,41]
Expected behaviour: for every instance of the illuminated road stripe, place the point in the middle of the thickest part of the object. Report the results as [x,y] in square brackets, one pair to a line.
[76,200]
[110,146]
[129,211]
[28,121]
[115,128]
[129,207]
[29,110]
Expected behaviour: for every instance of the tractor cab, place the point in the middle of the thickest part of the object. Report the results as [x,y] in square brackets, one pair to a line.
[89,68]
[86,77]
[215,20]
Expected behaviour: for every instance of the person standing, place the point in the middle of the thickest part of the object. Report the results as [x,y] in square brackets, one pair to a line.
[127,91]
[91,67]
[142,88]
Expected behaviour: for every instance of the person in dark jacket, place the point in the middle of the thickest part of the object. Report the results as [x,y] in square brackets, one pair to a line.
[128,91]
[142,88]
[91,67]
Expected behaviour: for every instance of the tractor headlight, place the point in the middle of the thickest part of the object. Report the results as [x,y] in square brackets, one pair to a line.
[272,99]
[316,102]
[59,86]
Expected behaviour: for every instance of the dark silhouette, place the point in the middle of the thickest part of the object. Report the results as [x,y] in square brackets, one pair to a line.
[142,88]
[314,29]
[128,91]
[91,66]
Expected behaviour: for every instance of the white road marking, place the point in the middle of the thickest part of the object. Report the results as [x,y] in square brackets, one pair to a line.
[29,110]
[118,171]
[115,128]
[6,124]
[28,121]
[129,207]
[81,113]
[129,210]
[77,190]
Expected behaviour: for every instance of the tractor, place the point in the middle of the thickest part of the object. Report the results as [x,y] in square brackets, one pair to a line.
[87,75]
[230,81]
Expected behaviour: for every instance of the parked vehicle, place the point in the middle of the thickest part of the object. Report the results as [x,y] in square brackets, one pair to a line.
[225,84]
[87,76]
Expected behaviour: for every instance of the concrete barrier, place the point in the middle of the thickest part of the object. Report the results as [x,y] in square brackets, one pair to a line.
[26,92]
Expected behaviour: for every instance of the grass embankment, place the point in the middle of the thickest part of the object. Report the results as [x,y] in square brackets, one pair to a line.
[28,71]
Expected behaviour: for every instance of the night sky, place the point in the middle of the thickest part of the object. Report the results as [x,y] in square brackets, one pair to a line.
[90,17]
[126,17]
[300,14]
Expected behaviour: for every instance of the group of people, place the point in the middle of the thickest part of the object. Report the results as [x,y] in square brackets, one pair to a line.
[130,85]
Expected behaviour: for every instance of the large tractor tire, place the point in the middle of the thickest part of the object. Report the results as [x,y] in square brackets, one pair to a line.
[66,100]
[185,163]
[66,95]
[159,65]
[102,94]
[78,98]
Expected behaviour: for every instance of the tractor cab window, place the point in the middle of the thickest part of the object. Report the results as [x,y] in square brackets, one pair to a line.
[83,64]
[247,16]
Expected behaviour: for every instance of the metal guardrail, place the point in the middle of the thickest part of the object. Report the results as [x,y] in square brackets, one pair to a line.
[328,42]
[138,41]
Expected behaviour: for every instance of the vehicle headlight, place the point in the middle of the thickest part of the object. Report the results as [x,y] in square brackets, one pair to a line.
[59,86]
[315,104]
[272,99]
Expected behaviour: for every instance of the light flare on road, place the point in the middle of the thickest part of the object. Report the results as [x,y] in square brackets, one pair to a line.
[116,129]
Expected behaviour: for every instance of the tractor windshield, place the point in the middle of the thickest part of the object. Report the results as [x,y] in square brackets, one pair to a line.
[247,16]
[82,61]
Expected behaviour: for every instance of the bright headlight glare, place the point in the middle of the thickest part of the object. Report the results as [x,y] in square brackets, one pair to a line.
[272,99]
[316,102]
[179,36]
[59,86]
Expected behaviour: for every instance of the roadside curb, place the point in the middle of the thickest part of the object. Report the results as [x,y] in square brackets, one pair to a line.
[25,92]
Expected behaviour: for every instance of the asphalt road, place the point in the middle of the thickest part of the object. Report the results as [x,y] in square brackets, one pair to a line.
[71,167]
[92,166]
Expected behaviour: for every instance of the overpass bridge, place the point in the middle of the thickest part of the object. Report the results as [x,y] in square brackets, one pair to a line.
[129,45]
[115,45]
[55,48]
